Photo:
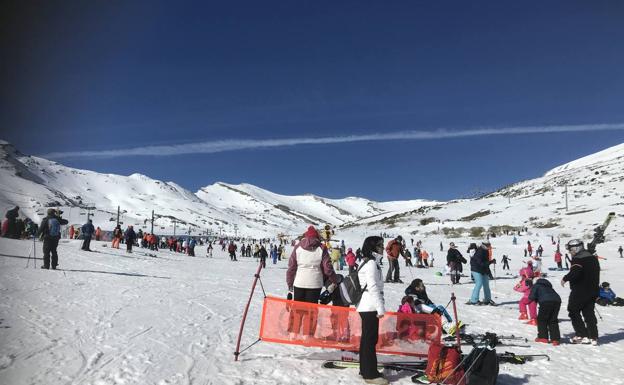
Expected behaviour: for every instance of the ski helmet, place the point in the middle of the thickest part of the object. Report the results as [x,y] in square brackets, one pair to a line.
[575,246]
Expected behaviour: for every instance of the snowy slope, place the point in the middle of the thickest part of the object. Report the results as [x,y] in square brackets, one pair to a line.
[110,318]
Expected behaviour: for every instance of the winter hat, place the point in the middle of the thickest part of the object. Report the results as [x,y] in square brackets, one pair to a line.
[311,233]
[605,285]
[399,238]
[486,243]
[452,244]
[51,212]
[349,250]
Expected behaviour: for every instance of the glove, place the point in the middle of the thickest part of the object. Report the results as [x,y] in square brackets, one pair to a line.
[289,296]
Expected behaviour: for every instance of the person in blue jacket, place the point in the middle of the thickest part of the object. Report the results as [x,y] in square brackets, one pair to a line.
[606,296]
[87,231]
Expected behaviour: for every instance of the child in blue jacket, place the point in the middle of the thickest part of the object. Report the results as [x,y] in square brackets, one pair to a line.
[608,297]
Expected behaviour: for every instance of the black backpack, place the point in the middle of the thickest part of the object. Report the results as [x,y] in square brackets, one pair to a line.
[481,366]
[350,289]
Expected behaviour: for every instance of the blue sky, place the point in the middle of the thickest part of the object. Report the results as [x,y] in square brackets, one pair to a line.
[86,81]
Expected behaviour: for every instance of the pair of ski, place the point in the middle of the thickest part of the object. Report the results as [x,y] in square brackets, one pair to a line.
[419,366]
[412,366]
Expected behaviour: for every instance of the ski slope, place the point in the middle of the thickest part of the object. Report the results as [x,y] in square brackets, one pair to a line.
[110,318]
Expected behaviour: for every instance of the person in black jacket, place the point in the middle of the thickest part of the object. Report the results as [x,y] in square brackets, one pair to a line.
[11,217]
[50,231]
[584,278]
[549,302]
[263,256]
[130,236]
[480,270]
[454,260]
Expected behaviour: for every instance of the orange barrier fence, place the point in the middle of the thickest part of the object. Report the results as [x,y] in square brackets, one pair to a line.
[308,324]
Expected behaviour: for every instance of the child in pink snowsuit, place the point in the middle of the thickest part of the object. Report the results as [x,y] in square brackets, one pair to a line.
[524,287]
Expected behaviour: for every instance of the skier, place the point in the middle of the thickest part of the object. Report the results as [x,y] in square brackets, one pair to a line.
[98,233]
[130,237]
[620,250]
[350,258]
[71,232]
[371,308]
[393,250]
[441,246]
[50,230]
[87,231]
[117,234]
[191,247]
[584,278]
[209,250]
[558,259]
[263,256]
[232,251]
[549,301]
[408,258]
[529,248]
[524,287]
[11,217]
[480,271]
[454,260]
[506,260]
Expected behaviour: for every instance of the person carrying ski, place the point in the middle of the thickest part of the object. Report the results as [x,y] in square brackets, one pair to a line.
[393,250]
[584,278]
[50,230]
[549,301]
[455,261]
[371,308]
[480,271]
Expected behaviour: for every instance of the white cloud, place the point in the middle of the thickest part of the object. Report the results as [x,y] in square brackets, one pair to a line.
[210,147]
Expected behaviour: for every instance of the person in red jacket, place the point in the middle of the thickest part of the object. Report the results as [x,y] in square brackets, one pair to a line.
[350,258]
[558,259]
[393,250]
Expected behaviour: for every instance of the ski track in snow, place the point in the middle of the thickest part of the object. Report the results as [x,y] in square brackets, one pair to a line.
[111,318]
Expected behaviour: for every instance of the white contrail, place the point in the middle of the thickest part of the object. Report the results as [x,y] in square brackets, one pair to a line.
[210,147]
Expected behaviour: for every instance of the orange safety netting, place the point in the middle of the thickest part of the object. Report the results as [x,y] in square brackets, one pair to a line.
[308,324]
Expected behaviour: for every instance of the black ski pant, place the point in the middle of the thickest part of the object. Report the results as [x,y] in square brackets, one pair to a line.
[393,270]
[129,246]
[587,325]
[505,265]
[49,247]
[548,321]
[86,243]
[559,266]
[304,321]
[368,355]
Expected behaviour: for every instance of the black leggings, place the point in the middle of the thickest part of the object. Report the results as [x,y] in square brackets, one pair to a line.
[368,355]
[586,326]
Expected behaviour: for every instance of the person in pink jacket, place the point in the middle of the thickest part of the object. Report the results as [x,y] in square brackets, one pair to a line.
[524,287]
[350,258]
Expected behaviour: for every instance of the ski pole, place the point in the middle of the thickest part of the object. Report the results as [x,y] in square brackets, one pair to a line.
[597,312]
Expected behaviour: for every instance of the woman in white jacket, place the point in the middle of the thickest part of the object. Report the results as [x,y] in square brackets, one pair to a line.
[371,308]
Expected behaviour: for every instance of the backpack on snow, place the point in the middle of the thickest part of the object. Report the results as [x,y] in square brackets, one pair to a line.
[444,365]
[481,366]
[350,288]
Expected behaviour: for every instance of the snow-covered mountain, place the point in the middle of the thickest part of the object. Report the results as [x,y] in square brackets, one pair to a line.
[595,186]
[35,183]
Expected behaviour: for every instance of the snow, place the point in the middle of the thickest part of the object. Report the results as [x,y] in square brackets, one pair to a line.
[113,318]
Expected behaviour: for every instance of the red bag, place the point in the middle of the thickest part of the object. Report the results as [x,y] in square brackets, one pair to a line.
[444,365]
